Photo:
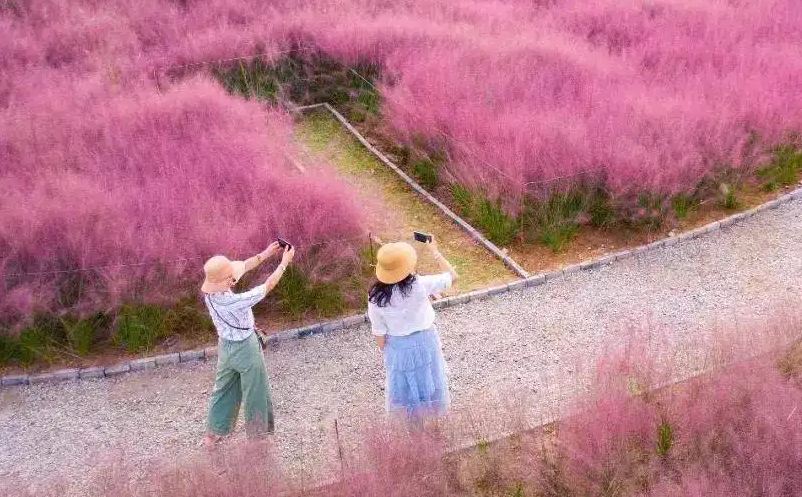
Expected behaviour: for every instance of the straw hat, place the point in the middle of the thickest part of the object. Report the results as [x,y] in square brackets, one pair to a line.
[395,261]
[219,271]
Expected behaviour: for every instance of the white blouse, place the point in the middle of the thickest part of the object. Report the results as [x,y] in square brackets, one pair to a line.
[405,315]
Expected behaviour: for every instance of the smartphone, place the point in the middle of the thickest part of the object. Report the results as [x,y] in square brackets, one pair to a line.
[422,237]
[283,243]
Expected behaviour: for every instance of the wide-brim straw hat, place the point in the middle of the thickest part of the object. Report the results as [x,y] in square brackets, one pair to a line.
[219,271]
[395,261]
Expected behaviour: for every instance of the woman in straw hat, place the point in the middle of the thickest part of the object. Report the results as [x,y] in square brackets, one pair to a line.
[240,363]
[402,319]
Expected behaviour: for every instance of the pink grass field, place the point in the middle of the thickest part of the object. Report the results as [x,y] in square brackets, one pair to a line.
[100,167]
[143,186]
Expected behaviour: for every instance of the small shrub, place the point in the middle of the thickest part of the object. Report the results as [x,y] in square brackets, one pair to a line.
[139,326]
[51,327]
[426,173]
[39,341]
[463,200]
[729,198]
[9,349]
[558,237]
[328,299]
[602,213]
[499,227]
[370,100]
[784,170]
[648,214]
[32,345]
[682,205]
[665,438]
[82,334]
[298,296]
[255,80]
[556,221]
[187,318]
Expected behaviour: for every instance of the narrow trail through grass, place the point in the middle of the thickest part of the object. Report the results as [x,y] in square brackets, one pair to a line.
[394,210]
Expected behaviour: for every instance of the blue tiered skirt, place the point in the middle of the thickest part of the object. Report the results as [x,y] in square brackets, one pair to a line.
[417,380]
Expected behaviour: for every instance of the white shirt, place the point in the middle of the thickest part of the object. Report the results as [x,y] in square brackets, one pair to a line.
[405,315]
[231,312]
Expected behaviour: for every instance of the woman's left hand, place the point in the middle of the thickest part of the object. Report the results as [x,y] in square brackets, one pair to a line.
[272,249]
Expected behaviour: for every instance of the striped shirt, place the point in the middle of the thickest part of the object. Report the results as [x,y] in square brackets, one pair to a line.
[231,312]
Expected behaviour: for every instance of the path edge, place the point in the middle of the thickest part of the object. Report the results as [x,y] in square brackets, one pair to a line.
[328,327]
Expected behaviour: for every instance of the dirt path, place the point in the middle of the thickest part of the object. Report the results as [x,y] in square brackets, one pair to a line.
[522,346]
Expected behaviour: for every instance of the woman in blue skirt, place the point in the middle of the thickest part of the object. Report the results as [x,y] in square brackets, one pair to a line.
[402,319]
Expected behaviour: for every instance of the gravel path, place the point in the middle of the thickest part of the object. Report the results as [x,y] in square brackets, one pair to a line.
[525,347]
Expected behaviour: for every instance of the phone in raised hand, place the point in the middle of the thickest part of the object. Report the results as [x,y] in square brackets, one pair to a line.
[422,237]
[283,243]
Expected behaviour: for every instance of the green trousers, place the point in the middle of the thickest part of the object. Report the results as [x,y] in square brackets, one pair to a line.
[241,378]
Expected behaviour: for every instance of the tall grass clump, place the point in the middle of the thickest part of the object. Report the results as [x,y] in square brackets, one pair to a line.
[119,197]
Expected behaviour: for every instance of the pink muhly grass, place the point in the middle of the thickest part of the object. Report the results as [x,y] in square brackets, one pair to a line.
[396,462]
[160,181]
[522,98]
[731,431]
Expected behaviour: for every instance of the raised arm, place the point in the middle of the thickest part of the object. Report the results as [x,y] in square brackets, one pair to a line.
[255,261]
[442,263]
[274,278]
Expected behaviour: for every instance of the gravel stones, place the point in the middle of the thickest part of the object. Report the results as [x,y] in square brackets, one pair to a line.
[522,350]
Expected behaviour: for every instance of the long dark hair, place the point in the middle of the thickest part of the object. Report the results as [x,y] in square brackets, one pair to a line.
[380,293]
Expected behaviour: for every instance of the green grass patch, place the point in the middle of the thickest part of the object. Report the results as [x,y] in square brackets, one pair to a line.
[555,222]
[497,225]
[188,318]
[558,237]
[139,327]
[426,172]
[83,334]
[649,213]
[682,205]
[299,296]
[305,79]
[784,168]
[729,199]
[40,341]
[665,439]
[9,349]
[600,209]
[252,79]
[463,199]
